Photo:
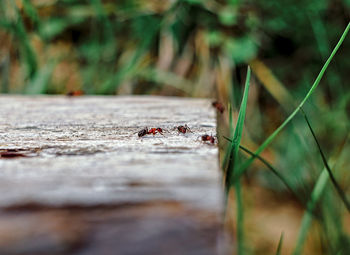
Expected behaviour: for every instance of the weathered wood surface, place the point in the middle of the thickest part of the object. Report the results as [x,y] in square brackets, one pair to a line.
[82,182]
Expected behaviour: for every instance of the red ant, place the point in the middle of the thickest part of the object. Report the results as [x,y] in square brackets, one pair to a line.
[75,93]
[219,106]
[208,138]
[147,131]
[143,132]
[155,130]
[184,129]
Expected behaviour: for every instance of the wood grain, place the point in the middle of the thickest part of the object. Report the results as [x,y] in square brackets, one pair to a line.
[79,161]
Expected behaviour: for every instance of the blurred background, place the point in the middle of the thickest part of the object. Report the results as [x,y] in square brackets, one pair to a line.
[201,48]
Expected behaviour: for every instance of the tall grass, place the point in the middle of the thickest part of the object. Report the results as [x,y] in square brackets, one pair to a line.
[233,175]
[266,143]
[279,247]
[340,191]
[273,170]
[233,163]
[15,25]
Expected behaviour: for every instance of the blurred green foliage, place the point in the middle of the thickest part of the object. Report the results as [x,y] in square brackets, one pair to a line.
[113,43]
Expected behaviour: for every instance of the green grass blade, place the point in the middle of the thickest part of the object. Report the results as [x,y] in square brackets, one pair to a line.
[266,143]
[240,218]
[320,33]
[31,11]
[27,51]
[234,148]
[279,248]
[107,28]
[268,165]
[341,193]
[307,218]
[237,135]
[228,150]
[274,171]
[315,197]
[39,83]
[132,67]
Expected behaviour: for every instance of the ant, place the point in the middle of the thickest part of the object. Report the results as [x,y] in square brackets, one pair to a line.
[143,132]
[184,129]
[75,93]
[219,106]
[208,138]
[147,131]
[155,130]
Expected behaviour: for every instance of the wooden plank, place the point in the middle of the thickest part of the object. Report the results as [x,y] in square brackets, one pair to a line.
[80,161]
